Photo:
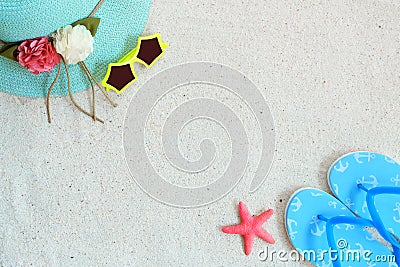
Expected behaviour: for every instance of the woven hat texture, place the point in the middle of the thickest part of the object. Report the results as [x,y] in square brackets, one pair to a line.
[122,22]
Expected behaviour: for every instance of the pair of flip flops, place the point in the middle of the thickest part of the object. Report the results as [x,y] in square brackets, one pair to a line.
[360,226]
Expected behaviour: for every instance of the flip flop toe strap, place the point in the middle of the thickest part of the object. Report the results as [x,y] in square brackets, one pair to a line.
[332,222]
[376,218]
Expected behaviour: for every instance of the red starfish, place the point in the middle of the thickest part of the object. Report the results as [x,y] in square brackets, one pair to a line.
[250,227]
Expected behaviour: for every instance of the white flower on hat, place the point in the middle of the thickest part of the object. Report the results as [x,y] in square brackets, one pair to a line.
[74,43]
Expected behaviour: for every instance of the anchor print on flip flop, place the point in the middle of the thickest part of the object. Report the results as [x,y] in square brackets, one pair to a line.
[348,204]
[370,187]
[342,168]
[373,181]
[397,209]
[318,230]
[395,180]
[332,203]
[371,170]
[290,224]
[349,226]
[297,204]
[360,157]
[321,226]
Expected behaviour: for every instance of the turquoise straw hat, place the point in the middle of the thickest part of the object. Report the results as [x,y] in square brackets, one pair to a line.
[121,23]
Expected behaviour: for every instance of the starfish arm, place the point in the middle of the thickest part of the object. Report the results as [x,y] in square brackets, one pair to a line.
[264,235]
[234,229]
[263,217]
[244,213]
[248,243]
[250,227]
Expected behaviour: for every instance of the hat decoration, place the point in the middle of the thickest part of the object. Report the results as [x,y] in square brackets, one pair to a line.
[71,44]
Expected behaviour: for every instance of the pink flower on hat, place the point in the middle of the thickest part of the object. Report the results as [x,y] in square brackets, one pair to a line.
[38,55]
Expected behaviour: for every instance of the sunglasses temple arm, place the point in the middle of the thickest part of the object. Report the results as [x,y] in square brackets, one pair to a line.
[164,45]
[130,56]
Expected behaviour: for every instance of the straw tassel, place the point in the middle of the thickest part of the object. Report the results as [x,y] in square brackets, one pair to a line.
[92,81]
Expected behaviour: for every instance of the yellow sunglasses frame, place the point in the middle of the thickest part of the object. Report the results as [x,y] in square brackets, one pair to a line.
[131,58]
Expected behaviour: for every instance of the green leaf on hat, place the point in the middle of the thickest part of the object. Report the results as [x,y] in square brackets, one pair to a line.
[9,51]
[90,23]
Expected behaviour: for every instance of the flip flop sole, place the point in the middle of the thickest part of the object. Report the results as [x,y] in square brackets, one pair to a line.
[372,170]
[308,234]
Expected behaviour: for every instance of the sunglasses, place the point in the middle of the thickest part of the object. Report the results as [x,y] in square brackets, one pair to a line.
[122,74]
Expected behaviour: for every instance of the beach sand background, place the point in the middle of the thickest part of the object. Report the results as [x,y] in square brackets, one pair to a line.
[329,71]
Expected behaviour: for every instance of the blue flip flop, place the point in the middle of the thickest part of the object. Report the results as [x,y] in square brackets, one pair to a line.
[326,233]
[369,184]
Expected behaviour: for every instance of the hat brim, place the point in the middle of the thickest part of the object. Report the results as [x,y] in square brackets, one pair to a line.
[122,22]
